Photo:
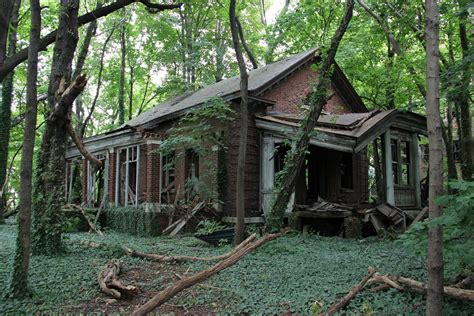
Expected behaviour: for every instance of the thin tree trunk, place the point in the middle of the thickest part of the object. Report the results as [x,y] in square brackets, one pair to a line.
[464,103]
[5,110]
[121,94]
[130,95]
[448,142]
[248,51]
[434,302]
[294,159]
[240,185]
[19,281]
[6,7]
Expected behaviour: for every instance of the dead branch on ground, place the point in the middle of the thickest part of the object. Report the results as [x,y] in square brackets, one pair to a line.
[111,285]
[406,284]
[187,282]
[352,293]
[163,258]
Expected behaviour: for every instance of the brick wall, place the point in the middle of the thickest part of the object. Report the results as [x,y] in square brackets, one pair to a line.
[111,179]
[252,167]
[289,93]
[151,173]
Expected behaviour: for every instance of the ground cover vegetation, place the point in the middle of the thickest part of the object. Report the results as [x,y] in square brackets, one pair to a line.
[112,60]
[293,274]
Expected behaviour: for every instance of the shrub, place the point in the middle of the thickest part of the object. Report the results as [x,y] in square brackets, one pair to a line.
[135,221]
[458,224]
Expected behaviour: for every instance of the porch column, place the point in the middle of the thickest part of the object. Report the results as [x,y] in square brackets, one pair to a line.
[267,171]
[389,187]
[415,161]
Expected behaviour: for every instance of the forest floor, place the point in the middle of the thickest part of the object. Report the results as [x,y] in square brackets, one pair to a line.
[290,275]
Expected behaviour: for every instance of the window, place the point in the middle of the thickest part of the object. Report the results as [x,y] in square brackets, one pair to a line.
[128,161]
[167,179]
[346,170]
[401,164]
[192,173]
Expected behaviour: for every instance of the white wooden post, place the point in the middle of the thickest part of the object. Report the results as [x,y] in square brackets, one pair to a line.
[127,156]
[390,191]
[137,177]
[117,176]
[106,178]
[415,165]
[267,171]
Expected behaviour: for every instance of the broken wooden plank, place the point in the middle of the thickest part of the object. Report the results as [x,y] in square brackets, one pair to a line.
[186,218]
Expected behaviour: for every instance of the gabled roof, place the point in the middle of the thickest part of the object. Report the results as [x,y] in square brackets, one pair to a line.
[227,89]
[346,132]
[259,80]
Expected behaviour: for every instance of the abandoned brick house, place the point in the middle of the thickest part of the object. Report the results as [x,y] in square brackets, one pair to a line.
[336,167]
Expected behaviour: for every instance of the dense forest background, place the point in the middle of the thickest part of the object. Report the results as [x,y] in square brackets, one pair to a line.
[135,59]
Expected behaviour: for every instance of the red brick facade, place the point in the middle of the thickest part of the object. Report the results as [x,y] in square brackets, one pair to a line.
[289,93]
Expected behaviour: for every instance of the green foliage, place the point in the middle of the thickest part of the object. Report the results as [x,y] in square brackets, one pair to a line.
[458,227]
[200,130]
[266,282]
[209,226]
[136,221]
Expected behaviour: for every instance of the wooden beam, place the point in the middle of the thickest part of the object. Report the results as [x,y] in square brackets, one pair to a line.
[389,186]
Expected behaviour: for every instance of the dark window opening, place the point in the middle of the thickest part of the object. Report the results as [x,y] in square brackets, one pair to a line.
[346,170]
[168,179]
[192,173]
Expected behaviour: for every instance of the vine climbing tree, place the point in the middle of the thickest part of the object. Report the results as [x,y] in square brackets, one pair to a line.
[316,99]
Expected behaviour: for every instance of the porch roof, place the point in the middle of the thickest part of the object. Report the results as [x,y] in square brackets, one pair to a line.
[346,132]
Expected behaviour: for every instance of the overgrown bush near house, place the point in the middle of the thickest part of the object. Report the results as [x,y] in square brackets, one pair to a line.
[458,224]
[200,130]
[135,221]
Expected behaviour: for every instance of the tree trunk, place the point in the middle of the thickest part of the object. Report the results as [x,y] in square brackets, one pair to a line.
[19,280]
[240,189]
[448,142]
[5,110]
[121,94]
[317,98]
[6,7]
[49,185]
[248,51]
[434,302]
[464,103]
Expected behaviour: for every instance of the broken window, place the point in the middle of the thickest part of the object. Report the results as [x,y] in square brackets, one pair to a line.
[192,173]
[96,183]
[128,166]
[168,190]
[401,164]
[346,170]
[73,185]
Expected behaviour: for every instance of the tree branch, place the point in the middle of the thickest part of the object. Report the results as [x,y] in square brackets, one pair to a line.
[13,61]
[244,44]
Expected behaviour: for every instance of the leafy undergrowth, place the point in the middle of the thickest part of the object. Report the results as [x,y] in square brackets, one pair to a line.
[291,275]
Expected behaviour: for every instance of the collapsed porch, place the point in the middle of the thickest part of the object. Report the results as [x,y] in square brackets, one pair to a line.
[337,162]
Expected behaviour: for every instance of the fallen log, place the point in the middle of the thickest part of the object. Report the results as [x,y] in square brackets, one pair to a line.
[349,296]
[406,284]
[163,258]
[163,296]
[111,285]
